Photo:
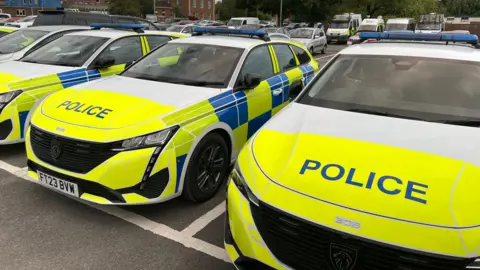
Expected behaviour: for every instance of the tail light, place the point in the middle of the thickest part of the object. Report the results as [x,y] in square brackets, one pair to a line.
[371,40]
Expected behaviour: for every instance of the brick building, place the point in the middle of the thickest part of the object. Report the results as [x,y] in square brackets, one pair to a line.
[201,9]
[21,8]
[86,5]
[164,9]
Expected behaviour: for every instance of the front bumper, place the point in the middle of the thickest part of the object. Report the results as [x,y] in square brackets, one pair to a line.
[337,38]
[264,237]
[120,179]
[12,123]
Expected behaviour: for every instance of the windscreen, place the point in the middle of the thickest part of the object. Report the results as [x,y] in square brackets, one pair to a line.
[428,89]
[367,28]
[302,33]
[69,50]
[175,28]
[428,26]
[188,64]
[235,22]
[396,26]
[339,25]
[28,19]
[50,18]
[19,40]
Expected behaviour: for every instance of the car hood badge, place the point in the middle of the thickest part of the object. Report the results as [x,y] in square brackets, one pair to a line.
[342,257]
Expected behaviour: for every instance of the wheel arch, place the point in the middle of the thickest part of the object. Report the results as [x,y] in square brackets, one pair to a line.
[220,128]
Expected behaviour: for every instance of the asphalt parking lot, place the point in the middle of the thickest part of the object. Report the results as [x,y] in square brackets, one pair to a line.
[40,229]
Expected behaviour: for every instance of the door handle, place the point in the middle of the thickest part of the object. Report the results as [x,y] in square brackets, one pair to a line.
[277,92]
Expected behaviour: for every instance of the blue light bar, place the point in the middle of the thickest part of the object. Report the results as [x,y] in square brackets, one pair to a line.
[246,32]
[473,39]
[117,26]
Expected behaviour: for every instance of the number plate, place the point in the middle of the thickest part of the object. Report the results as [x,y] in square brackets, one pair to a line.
[58,184]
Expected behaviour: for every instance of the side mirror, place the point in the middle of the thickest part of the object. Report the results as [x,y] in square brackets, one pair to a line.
[251,80]
[104,62]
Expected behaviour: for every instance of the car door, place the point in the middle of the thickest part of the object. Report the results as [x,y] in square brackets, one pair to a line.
[316,40]
[323,39]
[288,74]
[119,53]
[255,106]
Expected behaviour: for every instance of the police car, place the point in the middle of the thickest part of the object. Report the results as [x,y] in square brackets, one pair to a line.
[21,42]
[171,124]
[374,165]
[4,30]
[69,60]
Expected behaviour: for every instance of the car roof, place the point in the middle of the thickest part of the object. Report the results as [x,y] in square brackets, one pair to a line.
[113,33]
[52,28]
[227,41]
[401,20]
[431,50]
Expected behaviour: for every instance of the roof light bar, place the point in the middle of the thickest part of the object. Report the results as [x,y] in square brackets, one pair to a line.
[472,39]
[226,31]
[135,27]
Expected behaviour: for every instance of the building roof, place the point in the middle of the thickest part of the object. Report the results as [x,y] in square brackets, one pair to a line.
[439,50]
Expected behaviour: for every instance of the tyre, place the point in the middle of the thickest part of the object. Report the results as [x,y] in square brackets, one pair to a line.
[311,50]
[207,169]
[324,50]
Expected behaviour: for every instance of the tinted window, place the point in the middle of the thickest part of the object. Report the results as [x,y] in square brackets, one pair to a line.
[258,62]
[126,20]
[52,18]
[124,50]
[175,28]
[155,41]
[440,90]
[172,63]
[285,57]
[49,39]
[301,54]
[69,50]
[19,40]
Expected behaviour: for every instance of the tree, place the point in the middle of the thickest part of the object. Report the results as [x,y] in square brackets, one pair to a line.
[227,9]
[146,7]
[463,7]
[125,7]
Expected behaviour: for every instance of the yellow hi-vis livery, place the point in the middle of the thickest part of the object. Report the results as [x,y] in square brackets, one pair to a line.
[72,59]
[171,124]
[374,166]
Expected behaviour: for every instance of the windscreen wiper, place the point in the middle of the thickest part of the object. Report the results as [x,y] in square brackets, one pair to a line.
[374,112]
[200,83]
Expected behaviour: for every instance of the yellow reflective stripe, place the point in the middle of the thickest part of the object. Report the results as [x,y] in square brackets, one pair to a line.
[276,67]
[295,55]
[168,61]
[147,46]
[144,49]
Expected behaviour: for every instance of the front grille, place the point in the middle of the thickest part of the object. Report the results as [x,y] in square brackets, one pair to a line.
[76,156]
[303,245]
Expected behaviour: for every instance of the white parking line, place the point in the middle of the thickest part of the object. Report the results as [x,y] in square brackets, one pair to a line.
[145,223]
[204,220]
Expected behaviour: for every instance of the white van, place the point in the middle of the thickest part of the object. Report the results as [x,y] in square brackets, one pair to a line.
[242,21]
[367,25]
[400,24]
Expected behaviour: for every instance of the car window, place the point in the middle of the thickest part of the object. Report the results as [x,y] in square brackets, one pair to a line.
[258,62]
[301,54]
[187,30]
[19,40]
[123,50]
[429,89]
[172,63]
[69,50]
[321,33]
[148,25]
[155,41]
[285,57]
[126,20]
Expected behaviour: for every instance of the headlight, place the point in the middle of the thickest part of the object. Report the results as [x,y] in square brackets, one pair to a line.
[5,98]
[159,138]
[237,178]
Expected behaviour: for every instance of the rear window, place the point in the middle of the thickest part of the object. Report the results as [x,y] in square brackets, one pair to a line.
[50,18]
[427,89]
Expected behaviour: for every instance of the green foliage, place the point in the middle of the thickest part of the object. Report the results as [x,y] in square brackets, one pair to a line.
[228,9]
[463,7]
[125,7]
